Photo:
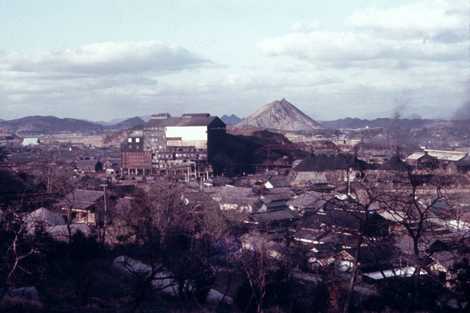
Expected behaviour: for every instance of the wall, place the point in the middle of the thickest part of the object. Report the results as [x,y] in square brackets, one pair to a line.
[190,135]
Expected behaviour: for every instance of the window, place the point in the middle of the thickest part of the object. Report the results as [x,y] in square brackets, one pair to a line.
[137,140]
[129,139]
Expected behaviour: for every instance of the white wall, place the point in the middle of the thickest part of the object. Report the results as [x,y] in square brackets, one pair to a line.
[190,135]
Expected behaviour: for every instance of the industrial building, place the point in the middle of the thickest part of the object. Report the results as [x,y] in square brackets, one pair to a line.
[181,145]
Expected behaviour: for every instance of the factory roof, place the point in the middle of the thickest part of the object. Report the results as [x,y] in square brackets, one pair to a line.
[197,119]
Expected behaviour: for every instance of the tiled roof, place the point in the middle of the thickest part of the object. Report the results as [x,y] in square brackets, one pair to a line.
[82,199]
[273,216]
[323,162]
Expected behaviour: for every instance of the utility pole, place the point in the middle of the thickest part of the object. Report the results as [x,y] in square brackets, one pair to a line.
[105,215]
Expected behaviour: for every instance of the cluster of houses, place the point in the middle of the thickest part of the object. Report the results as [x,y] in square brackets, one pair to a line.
[311,207]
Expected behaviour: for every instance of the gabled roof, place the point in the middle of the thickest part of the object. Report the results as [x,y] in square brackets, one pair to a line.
[279,181]
[442,155]
[311,199]
[82,199]
[44,216]
[279,197]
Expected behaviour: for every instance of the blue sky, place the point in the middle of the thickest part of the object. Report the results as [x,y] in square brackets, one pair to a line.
[108,59]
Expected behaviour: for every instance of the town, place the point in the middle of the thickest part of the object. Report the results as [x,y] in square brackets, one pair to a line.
[201,156]
[272,211]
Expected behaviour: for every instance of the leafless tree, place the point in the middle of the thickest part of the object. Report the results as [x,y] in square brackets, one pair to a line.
[411,204]
[256,266]
[16,246]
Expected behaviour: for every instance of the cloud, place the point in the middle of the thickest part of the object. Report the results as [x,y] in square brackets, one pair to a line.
[105,58]
[357,69]
[421,47]
[349,47]
[93,80]
[439,20]
[432,31]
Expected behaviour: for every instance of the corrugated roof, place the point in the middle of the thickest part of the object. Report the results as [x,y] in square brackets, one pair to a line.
[442,155]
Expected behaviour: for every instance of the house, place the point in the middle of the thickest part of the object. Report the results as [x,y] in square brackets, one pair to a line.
[85,165]
[274,202]
[84,206]
[429,159]
[54,224]
[349,220]
[232,198]
[272,221]
[396,164]
[307,202]
[323,168]
[276,182]
[30,141]
[44,218]
[399,272]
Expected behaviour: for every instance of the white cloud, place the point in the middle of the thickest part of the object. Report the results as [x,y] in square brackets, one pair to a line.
[106,58]
[346,47]
[420,47]
[102,78]
[425,30]
[440,20]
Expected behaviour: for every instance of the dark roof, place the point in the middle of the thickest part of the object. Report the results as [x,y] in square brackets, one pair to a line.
[273,216]
[279,181]
[465,162]
[309,199]
[379,256]
[80,164]
[395,164]
[323,162]
[275,198]
[82,199]
[199,119]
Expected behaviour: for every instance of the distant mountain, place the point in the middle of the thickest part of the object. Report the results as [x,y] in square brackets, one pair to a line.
[127,124]
[356,123]
[49,125]
[280,115]
[231,119]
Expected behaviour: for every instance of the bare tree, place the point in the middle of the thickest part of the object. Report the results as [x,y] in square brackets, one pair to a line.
[411,205]
[17,249]
[256,266]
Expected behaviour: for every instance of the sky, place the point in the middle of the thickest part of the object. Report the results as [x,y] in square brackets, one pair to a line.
[109,59]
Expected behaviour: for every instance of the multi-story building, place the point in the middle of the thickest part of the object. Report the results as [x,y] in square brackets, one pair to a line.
[187,142]
[135,160]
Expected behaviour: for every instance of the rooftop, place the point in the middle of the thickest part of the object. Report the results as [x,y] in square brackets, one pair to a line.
[197,119]
[443,155]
